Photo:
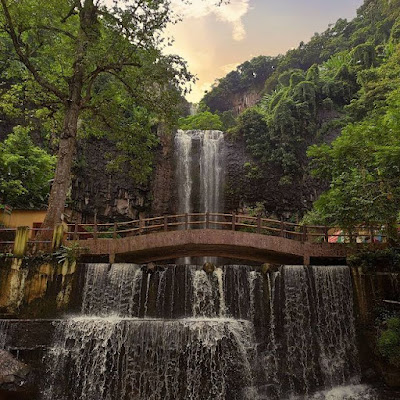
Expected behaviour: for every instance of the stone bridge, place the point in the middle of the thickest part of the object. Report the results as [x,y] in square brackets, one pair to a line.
[217,243]
[232,236]
[242,237]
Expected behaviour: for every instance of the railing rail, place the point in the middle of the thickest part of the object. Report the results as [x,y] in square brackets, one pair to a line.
[207,220]
[235,222]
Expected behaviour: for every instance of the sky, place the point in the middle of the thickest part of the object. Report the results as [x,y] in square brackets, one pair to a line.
[214,40]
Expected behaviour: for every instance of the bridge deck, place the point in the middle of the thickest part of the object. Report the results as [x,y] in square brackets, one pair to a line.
[208,242]
[203,234]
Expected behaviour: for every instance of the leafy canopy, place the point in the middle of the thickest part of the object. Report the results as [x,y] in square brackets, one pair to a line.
[25,171]
[389,341]
[204,121]
[363,163]
[106,61]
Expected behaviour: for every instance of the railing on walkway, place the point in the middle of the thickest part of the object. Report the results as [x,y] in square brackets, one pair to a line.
[233,222]
[36,238]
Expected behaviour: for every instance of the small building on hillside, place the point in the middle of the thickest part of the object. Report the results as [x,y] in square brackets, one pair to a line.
[18,217]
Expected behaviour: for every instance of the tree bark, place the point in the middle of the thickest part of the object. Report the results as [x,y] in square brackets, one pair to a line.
[67,145]
[62,178]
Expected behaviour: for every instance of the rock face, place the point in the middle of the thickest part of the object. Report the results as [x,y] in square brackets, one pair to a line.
[163,181]
[243,101]
[113,196]
[12,371]
[281,200]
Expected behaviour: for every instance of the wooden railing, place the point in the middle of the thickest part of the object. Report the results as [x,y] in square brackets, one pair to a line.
[168,223]
[7,240]
[234,222]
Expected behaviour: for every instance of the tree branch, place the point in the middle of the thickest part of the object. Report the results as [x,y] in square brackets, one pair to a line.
[72,11]
[110,69]
[58,30]
[25,59]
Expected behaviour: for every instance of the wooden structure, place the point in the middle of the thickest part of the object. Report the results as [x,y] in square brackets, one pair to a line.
[213,234]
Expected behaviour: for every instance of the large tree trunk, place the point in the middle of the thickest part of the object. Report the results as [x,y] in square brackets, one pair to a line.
[62,178]
[67,145]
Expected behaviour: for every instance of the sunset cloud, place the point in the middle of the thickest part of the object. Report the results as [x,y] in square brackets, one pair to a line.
[231,13]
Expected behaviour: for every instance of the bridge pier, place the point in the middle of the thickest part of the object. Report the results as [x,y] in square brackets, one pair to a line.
[111,258]
[307,260]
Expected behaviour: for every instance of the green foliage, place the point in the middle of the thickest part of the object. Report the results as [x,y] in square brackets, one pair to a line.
[363,56]
[338,94]
[389,342]
[363,166]
[25,170]
[378,260]
[204,121]
[247,76]
[69,253]
[344,42]
[83,68]
[228,120]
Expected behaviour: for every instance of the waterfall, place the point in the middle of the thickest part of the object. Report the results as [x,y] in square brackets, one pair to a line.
[199,170]
[199,165]
[211,171]
[111,358]
[297,316]
[181,333]
[312,338]
[183,146]
[111,289]
[335,325]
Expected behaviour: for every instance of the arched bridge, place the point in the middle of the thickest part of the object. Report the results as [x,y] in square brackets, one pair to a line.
[214,234]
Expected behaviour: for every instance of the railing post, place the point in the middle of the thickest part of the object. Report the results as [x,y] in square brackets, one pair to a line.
[207,220]
[186,221]
[304,236]
[326,234]
[165,223]
[21,241]
[282,229]
[259,224]
[95,227]
[233,221]
[141,225]
[76,228]
[115,230]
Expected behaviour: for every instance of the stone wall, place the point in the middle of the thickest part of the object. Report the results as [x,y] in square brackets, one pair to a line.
[95,190]
[36,287]
[377,296]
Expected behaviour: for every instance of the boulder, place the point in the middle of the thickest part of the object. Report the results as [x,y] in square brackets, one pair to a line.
[12,371]
[209,268]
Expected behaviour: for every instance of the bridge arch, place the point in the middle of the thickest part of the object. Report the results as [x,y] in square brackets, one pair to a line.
[208,242]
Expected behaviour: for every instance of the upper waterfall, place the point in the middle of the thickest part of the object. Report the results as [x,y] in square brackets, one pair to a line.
[199,165]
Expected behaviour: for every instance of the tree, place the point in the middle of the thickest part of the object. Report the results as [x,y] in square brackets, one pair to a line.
[76,53]
[204,121]
[363,166]
[25,171]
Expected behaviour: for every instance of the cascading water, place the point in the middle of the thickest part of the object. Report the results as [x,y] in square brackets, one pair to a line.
[235,333]
[211,174]
[183,147]
[115,358]
[114,289]
[199,171]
